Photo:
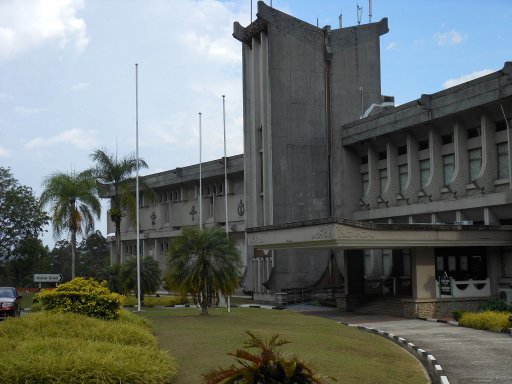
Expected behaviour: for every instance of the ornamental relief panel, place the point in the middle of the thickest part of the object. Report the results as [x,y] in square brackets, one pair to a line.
[347,232]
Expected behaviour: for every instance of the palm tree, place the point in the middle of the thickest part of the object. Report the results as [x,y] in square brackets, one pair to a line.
[74,205]
[150,275]
[204,263]
[117,173]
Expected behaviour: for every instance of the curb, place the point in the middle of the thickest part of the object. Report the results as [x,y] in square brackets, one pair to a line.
[434,369]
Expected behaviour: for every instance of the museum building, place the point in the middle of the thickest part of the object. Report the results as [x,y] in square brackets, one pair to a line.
[339,191]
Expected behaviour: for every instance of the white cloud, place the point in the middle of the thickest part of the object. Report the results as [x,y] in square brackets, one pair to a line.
[449,38]
[464,78]
[78,138]
[4,97]
[79,86]
[391,45]
[28,111]
[28,24]
[4,152]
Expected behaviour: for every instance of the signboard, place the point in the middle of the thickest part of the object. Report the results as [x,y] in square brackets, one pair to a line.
[47,278]
[445,286]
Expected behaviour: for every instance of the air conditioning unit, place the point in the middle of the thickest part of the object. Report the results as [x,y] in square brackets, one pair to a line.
[505,294]
[463,222]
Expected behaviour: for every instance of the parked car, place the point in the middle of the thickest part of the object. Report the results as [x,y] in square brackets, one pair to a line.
[10,302]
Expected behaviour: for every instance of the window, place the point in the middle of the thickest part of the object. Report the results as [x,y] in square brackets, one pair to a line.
[402,176]
[447,139]
[501,125]
[166,213]
[364,182]
[502,151]
[364,159]
[506,262]
[424,172]
[473,132]
[387,262]
[383,155]
[406,262]
[448,168]
[423,144]
[141,199]
[368,262]
[475,163]
[383,179]
[402,150]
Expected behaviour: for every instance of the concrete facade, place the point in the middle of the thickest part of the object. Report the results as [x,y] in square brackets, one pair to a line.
[337,188]
[321,141]
[176,206]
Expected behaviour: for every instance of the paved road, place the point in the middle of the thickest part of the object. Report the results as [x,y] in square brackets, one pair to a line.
[468,356]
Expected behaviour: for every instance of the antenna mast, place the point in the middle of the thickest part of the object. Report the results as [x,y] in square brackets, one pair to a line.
[359,14]
[370,10]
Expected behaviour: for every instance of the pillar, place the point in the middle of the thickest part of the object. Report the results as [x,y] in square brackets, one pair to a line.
[423,273]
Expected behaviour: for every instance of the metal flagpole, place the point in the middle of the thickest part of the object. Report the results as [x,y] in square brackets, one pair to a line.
[225,179]
[137,179]
[200,200]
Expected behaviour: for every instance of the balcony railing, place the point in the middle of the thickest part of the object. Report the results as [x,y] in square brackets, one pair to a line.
[466,288]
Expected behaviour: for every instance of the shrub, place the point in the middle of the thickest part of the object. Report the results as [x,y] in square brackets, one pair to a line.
[497,305]
[49,347]
[151,301]
[82,296]
[488,320]
[458,314]
[269,366]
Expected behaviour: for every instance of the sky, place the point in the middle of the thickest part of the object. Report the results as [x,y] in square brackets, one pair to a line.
[67,72]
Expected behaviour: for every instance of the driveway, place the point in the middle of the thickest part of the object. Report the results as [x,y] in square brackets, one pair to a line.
[468,356]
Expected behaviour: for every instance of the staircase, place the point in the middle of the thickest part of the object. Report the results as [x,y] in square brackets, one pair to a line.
[382,305]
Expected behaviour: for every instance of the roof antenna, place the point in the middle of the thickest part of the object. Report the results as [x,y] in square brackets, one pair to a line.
[317,21]
[251,11]
[340,19]
[359,14]
[370,10]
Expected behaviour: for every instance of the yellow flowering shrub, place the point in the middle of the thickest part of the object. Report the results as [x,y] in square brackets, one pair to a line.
[83,296]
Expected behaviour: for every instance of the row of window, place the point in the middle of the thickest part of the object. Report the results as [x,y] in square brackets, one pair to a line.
[474,164]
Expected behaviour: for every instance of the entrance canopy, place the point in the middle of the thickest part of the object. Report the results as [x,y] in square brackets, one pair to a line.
[337,233]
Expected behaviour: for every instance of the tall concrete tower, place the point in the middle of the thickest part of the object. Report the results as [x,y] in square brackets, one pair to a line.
[300,84]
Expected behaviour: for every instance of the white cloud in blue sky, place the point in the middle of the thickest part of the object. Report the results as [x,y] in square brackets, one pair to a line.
[448,38]
[464,78]
[29,24]
[75,137]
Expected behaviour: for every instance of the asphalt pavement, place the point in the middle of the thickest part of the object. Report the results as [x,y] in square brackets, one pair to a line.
[467,356]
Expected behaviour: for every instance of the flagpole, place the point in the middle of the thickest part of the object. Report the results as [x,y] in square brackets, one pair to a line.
[225,179]
[200,200]
[137,179]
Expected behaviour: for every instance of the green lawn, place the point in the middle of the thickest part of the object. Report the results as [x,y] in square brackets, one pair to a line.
[201,342]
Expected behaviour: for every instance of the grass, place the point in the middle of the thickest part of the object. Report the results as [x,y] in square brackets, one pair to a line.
[63,348]
[199,343]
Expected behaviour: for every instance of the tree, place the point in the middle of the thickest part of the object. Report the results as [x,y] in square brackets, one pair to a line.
[21,216]
[29,257]
[59,256]
[74,205]
[204,263]
[93,255]
[150,275]
[118,174]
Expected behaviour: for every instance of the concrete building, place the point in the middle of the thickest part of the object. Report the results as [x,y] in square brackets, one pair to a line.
[394,198]
[177,206]
[340,191]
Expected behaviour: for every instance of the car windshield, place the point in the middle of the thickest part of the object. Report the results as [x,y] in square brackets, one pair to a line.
[7,292]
